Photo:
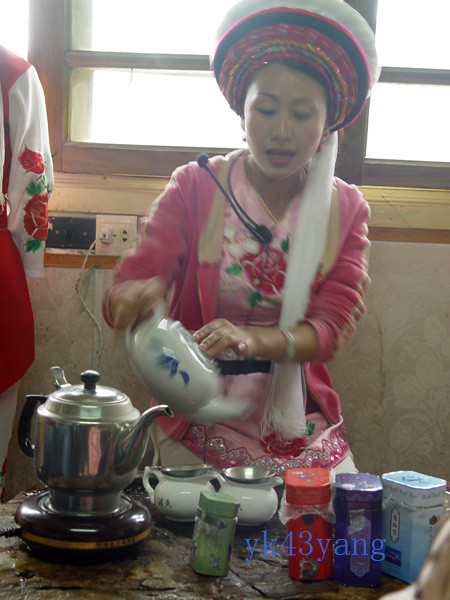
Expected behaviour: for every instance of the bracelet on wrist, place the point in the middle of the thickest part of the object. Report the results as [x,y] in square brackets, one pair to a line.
[290,350]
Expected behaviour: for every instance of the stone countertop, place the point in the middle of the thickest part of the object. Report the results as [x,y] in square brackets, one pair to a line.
[159,568]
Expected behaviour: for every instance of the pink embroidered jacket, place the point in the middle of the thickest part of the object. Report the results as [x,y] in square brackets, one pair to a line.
[182,241]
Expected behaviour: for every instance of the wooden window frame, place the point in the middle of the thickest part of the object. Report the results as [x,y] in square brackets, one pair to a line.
[53,60]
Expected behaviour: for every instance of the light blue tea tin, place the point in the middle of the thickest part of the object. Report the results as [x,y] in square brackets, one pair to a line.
[413,508]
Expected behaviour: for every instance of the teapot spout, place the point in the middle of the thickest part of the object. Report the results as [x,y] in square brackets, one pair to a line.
[132,443]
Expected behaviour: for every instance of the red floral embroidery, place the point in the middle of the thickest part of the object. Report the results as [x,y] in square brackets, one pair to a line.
[35,219]
[32,161]
[283,448]
[273,274]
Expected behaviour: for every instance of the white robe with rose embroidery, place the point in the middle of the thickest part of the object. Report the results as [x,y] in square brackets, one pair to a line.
[26,180]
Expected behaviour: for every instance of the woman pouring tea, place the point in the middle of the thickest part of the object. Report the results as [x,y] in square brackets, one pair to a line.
[264,251]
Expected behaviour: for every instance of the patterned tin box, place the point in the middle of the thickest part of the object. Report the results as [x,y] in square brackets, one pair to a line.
[358,547]
[308,523]
[413,508]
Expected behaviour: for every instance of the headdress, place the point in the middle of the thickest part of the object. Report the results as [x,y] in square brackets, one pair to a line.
[327,37]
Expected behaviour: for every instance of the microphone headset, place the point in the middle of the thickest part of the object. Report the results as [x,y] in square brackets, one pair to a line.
[260,232]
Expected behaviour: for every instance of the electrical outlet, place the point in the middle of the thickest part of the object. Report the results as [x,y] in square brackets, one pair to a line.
[71,232]
[116,234]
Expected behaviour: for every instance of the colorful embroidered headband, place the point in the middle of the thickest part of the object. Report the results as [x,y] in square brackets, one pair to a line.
[323,46]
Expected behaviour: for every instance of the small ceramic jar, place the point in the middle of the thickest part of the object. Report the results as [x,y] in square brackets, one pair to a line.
[178,489]
[253,488]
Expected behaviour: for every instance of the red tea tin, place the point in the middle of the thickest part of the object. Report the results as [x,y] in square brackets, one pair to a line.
[308,494]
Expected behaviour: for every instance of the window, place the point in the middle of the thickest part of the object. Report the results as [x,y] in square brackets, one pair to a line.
[14,27]
[406,119]
[166,103]
[129,91]
[407,127]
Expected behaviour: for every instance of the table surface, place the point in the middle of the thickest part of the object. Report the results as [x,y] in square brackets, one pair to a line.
[159,568]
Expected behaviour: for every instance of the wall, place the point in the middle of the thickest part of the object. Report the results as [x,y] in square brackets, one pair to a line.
[393,377]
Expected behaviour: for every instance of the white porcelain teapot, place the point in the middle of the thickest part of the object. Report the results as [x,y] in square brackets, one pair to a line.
[171,366]
[252,487]
[178,489]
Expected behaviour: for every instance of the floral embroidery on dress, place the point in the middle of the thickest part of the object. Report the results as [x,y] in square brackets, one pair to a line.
[35,219]
[325,454]
[288,448]
[310,428]
[283,448]
[264,268]
[32,161]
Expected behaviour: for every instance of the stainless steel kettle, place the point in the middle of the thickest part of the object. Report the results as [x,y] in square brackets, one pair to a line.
[89,442]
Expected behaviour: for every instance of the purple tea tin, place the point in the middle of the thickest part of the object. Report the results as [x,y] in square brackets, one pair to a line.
[358,547]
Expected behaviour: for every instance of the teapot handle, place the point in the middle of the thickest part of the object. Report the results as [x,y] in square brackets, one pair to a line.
[272,482]
[158,315]
[145,480]
[277,481]
[23,433]
[220,479]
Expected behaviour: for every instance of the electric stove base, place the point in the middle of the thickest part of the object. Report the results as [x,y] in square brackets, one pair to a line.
[65,538]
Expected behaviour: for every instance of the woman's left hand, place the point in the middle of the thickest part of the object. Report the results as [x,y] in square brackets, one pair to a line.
[220,334]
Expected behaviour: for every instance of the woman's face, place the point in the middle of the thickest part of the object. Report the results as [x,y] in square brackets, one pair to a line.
[285,114]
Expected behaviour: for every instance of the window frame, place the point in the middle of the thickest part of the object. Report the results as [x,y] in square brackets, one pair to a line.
[49,21]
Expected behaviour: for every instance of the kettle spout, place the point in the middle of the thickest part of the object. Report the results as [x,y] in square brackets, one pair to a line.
[131,443]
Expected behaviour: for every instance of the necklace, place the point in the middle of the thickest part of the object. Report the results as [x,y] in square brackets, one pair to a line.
[266,208]
[276,220]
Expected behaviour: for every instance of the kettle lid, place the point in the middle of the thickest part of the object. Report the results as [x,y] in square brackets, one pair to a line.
[90,401]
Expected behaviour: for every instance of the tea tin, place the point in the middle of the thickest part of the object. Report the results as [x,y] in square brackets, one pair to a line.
[358,544]
[213,535]
[413,508]
[307,499]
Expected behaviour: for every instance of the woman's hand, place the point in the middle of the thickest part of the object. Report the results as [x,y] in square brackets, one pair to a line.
[261,342]
[133,301]
[221,334]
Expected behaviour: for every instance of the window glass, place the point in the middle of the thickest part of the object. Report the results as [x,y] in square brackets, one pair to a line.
[151,108]
[14,26]
[407,122]
[413,33]
[150,26]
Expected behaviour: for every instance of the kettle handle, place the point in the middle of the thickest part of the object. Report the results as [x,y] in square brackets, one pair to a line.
[24,429]
[145,480]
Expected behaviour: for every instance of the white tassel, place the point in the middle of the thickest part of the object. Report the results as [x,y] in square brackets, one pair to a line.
[283,410]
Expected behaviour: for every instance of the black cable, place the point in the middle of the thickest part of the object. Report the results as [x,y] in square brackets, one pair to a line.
[260,232]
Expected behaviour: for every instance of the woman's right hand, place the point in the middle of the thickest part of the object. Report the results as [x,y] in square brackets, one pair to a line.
[133,301]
